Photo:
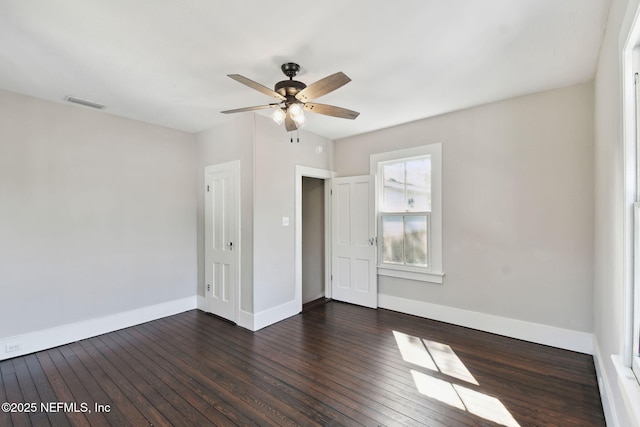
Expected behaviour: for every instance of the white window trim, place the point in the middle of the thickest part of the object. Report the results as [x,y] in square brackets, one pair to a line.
[433,273]
[629,361]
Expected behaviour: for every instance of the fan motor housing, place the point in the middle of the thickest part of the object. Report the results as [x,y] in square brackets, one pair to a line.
[289,87]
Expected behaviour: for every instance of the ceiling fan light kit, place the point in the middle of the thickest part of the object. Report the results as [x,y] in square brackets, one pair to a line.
[278,115]
[294,97]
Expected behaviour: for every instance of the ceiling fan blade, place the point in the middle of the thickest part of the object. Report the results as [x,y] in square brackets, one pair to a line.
[289,123]
[323,87]
[256,86]
[257,107]
[331,110]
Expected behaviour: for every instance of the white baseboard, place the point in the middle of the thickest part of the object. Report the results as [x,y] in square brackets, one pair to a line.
[604,385]
[534,332]
[275,314]
[65,334]
[246,320]
[202,303]
[628,389]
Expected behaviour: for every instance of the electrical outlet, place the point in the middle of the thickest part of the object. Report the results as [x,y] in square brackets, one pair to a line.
[11,347]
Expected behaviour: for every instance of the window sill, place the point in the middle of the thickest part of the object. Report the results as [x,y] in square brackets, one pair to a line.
[403,273]
[629,387]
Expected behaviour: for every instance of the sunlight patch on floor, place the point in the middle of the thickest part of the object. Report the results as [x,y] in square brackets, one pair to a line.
[413,351]
[432,355]
[485,406]
[448,361]
[437,389]
[439,357]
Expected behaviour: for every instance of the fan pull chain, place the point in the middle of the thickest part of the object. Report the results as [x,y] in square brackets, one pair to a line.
[297,136]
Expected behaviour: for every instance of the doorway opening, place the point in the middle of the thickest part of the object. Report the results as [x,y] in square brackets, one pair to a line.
[313,244]
[313,235]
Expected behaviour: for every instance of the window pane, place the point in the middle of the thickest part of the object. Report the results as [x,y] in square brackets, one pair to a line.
[415,247]
[392,239]
[393,187]
[418,185]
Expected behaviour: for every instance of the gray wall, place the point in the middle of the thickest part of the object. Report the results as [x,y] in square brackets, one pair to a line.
[517,205]
[97,214]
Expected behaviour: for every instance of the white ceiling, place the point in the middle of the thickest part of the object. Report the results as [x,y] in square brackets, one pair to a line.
[165,61]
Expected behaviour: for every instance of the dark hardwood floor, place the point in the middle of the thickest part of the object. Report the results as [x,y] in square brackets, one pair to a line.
[337,364]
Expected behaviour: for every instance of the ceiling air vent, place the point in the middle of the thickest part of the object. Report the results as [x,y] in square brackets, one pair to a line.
[84,102]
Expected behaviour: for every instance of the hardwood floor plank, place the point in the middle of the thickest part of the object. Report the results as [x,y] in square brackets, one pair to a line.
[162,405]
[17,417]
[526,374]
[393,401]
[528,381]
[303,401]
[229,403]
[77,389]
[202,398]
[5,416]
[96,395]
[516,351]
[334,365]
[251,389]
[45,391]
[368,375]
[153,406]
[163,384]
[304,385]
[29,391]
[63,394]
[124,404]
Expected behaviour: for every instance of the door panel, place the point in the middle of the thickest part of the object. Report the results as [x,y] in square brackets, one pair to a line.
[354,269]
[221,240]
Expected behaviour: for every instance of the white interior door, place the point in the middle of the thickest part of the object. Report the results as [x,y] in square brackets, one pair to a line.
[222,249]
[353,266]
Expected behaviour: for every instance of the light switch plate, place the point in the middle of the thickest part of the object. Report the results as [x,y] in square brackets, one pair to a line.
[285,221]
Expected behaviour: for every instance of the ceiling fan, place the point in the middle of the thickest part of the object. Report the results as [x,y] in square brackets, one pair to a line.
[294,97]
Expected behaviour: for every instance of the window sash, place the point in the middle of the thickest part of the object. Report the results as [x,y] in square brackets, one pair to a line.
[406,187]
[403,263]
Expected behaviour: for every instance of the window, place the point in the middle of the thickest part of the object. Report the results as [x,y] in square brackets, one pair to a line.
[409,213]
[627,364]
[404,211]
[631,332]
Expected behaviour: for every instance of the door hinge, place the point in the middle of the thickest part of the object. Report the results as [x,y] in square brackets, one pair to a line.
[331,192]
[208,287]
[332,277]
[207,188]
